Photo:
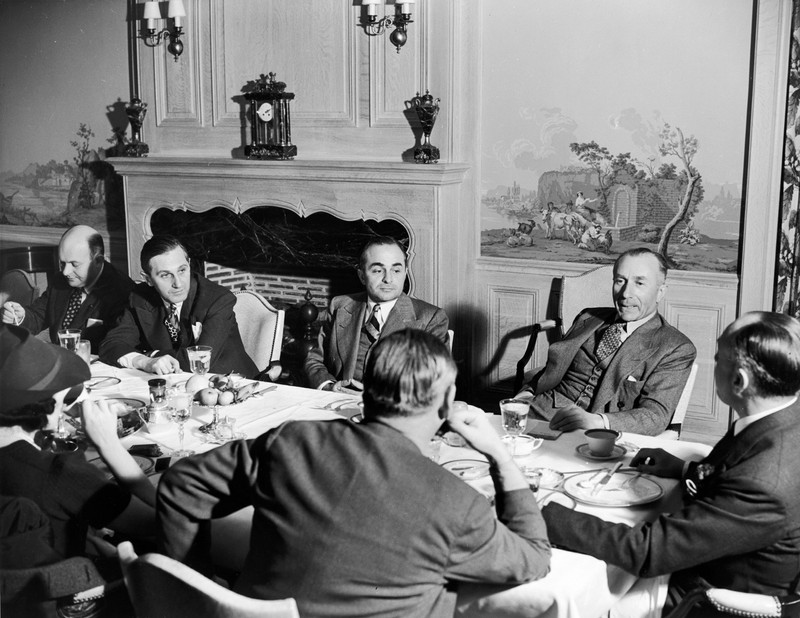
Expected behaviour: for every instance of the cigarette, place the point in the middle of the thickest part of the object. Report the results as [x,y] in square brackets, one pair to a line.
[647,461]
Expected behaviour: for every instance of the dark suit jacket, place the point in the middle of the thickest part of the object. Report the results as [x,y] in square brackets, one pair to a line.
[742,530]
[351,520]
[335,357]
[141,328]
[103,305]
[642,384]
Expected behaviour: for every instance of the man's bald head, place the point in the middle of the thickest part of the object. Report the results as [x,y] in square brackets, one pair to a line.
[81,255]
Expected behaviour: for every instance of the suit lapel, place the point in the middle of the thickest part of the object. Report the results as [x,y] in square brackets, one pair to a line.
[349,335]
[401,315]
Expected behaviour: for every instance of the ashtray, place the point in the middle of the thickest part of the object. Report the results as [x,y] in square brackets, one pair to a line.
[522,446]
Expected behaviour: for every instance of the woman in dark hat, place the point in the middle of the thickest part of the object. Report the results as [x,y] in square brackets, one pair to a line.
[39,380]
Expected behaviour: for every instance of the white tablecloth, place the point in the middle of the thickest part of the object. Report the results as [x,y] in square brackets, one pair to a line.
[577,586]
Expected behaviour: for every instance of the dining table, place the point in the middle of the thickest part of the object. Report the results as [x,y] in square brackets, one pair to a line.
[577,585]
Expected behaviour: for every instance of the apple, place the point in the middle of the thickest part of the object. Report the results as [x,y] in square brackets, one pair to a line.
[225,398]
[196,383]
[208,396]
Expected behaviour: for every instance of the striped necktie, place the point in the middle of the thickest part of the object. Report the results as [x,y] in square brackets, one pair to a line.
[75,300]
[373,325]
[172,323]
[610,341]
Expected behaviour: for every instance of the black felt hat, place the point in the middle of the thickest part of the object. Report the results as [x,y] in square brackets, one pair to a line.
[32,370]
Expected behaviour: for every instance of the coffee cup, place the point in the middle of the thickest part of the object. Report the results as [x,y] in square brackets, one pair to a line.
[601,441]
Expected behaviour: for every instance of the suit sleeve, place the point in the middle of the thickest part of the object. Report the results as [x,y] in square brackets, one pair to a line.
[437,326]
[122,339]
[314,365]
[743,516]
[510,549]
[648,408]
[198,489]
[35,314]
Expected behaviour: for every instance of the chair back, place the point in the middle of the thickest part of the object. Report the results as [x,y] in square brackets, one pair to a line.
[161,586]
[578,292]
[673,432]
[260,326]
[450,335]
[19,286]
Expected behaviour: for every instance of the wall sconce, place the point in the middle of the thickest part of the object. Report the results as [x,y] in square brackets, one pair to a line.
[175,11]
[375,27]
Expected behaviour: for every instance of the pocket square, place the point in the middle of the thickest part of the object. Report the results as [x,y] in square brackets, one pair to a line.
[93,322]
[631,379]
[197,330]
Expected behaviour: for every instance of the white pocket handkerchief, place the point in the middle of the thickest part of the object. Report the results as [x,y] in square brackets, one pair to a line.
[197,330]
[631,379]
[93,322]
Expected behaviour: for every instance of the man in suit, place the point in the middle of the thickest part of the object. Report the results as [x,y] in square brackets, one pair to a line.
[355,321]
[740,524]
[353,519]
[172,310]
[89,293]
[622,368]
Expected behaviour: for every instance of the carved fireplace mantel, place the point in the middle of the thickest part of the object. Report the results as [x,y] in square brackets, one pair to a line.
[425,199]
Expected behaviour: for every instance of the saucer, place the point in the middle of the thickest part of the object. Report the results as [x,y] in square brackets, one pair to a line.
[617,452]
[468,469]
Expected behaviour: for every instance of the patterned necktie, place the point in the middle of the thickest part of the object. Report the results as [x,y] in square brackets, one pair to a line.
[172,323]
[373,326]
[610,341]
[75,300]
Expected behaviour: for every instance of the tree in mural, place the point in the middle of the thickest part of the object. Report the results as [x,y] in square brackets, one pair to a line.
[82,159]
[675,144]
[599,159]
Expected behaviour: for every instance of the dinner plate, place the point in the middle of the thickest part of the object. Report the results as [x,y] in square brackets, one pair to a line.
[617,452]
[129,421]
[102,381]
[627,488]
[468,469]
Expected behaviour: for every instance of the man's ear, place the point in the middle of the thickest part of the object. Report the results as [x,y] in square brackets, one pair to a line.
[361,277]
[741,381]
[147,278]
[447,403]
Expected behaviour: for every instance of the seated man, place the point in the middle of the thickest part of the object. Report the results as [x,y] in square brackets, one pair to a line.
[37,381]
[622,367]
[88,294]
[175,309]
[740,524]
[352,519]
[355,321]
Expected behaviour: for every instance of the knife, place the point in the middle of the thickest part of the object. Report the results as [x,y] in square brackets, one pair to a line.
[607,477]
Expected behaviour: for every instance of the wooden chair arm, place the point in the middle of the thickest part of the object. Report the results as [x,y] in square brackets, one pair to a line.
[536,328]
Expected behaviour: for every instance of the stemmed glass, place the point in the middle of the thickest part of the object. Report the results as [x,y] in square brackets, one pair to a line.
[515,418]
[180,410]
[200,364]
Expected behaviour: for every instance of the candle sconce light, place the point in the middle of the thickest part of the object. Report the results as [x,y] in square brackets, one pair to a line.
[400,20]
[152,36]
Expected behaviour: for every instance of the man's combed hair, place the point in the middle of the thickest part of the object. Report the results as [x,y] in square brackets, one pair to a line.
[405,373]
[159,245]
[377,241]
[663,266]
[768,345]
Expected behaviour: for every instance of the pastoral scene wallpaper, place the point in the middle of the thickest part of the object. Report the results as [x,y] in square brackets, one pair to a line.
[615,124]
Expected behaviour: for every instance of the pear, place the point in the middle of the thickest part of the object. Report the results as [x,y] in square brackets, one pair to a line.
[196,383]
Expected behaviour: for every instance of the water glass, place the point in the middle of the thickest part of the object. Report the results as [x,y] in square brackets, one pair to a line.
[158,391]
[451,437]
[435,448]
[84,349]
[181,411]
[515,418]
[199,358]
[68,338]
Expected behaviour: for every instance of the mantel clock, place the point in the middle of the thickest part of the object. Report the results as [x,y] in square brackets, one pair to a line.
[270,126]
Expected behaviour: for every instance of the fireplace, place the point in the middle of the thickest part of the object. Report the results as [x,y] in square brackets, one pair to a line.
[423,199]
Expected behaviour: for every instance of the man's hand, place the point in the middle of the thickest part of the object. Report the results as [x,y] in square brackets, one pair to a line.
[659,462]
[572,417]
[349,387]
[13,313]
[474,427]
[159,365]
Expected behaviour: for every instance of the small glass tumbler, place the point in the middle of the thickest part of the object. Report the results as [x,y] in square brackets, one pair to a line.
[158,391]
[451,437]
[435,448]
[84,349]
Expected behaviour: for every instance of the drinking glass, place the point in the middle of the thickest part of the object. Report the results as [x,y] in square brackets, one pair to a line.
[199,358]
[515,418]
[84,350]
[69,338]
[181,411]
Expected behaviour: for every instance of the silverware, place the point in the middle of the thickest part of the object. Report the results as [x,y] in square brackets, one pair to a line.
[99,382]
[266,389]
[603,481]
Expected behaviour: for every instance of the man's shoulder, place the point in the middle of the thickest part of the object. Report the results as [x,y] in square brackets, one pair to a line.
[348,300]
[668,333]
[420,306]
[114,281]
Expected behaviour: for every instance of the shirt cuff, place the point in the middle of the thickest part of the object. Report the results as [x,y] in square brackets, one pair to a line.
[128,359]
[606,424]
[322,386]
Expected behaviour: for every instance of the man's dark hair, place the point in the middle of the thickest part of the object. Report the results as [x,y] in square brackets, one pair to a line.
[96,246]
[159,245]
[767,345]
[405,373]
[663,266]
[376,242]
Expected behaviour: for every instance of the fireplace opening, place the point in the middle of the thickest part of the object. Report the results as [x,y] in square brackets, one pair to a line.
[284,257]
